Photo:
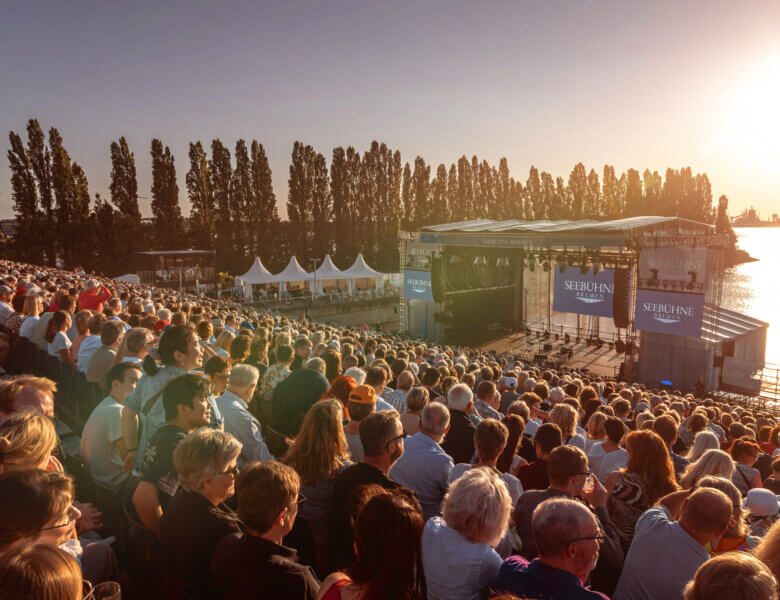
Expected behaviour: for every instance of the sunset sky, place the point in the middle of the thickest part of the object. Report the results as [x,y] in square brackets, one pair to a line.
[634,84]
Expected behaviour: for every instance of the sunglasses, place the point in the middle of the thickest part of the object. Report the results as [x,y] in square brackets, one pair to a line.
[398,437]
[301,499]
[233,471]
[71,511]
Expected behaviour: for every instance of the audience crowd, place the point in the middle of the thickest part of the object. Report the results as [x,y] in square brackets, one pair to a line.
[218,452]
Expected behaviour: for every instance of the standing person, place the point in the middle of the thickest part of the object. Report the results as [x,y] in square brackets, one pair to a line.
[388,561]
[666,427]
[424,467]
[179,352]
[382,437]
[186,408]
[255,563]
[238,421]
[319,455]
[93,296]
[56,337]
[745,452]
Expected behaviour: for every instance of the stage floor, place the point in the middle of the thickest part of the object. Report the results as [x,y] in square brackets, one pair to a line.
[599,360]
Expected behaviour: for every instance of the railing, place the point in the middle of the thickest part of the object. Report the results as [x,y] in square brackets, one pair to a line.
[308,300]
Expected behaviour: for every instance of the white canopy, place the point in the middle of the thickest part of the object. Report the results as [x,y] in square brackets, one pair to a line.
[360,269]
[129,278]
[328,270]
[292,272]
[257,274]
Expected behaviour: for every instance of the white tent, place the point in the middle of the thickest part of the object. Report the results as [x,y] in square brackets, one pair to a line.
[326,271]
[292,272]
[257,273]
[360,270]
[129,278]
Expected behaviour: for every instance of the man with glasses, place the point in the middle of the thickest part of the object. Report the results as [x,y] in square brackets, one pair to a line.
[568,538]
[382,437]
[567,468]
[255,563]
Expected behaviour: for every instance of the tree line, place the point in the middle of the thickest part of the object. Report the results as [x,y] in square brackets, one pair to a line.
[357,203]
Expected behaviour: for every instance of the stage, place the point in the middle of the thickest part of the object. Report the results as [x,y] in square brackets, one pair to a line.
[601,360]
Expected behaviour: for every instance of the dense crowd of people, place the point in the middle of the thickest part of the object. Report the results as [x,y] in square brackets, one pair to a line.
[236,454]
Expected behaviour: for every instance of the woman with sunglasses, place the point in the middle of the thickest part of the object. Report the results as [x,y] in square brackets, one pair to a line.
[197,518]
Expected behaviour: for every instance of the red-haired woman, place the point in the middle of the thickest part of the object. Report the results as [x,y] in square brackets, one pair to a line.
[745,452]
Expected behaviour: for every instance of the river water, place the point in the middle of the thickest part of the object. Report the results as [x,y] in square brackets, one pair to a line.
[754,288]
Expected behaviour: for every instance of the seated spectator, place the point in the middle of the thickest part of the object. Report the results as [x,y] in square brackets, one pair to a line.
[397,398]
[772,483]
[606,457]
[90,343]
[595,432]
[648,476]
[222,344]
[7,294]
[360,403]
[762,510]
[292,398]
[459,441]
[488,401]
[302,349]
[239,422]
[28,318]
[666,552]
[534,476]
[732,576]
[376,377]
[319,455]
[509,460]
[255,564]
[102,444]
[416,400]
[39,571]
[27,441]
[737,537]
[745,452]
[218,371]
[111,335]
[565,417]
[712,462]
[135,346]
[568,537]
[490,441]
[382,436]
[186,409]
[768,551]
[197,518]
[424,467]
[388,562]
[510,394]
[258,354]
[458,554]
[81,323]
[56,335]
[666,427]
[68,305]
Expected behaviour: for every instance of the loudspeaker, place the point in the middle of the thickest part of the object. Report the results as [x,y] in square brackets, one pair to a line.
[437,285]
[620,298]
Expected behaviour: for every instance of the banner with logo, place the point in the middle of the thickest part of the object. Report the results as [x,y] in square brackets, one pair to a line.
[417,285]
[669,312]
[584,294]
[676,264]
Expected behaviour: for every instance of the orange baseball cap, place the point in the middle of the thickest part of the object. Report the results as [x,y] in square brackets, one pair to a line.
[363,394]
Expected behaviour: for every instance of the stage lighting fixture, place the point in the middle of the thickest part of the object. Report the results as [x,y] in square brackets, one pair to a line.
[480,261]
[597,268]
[566,338]
[562,266]
[502,262]
[454,259]
[583,269]
[546,266]
[531,263]
[653,278]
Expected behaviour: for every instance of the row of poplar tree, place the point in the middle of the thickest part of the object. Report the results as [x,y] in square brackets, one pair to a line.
[358,203]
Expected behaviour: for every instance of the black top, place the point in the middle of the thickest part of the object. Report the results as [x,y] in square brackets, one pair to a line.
[255,362]
[527,449]
[340,539]
[459,441]
[191,528]
[245,566]
[157,465]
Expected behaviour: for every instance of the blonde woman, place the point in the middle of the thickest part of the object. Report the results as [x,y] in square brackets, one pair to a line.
[416,400]
[595,430]
[704,440]
[732,576]
[27,441]
[712,462]
[565,417]
[31,312]
[221,345]
[475,516]
[40,571]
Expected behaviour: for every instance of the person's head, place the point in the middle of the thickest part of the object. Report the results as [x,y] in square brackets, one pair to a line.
[381,435]
[404,381]
[27,391]
[622,408]
[649,458]
[121,380]
[567,467]
[267,495]
[417,398]
[137,342]
[302,347]
[565,417]
[111,333]
[459,397]
[27,441]
[332,360]
[239,348]
[40,571]
[704,440]
[745,451]
[36,506]
[243,381]
[33,306]
[736,526]
[666,427]
[706,514]
[486,391]
[568,536]
[225,340]
[60,321]
[435,420]
[547,437]
[431,378]
[218,370]
[185,399]
[179,346]
[595,426]
[712,462]
[698,422]
[206,463]
[490,440]
[320,447]
[732,576]
[95,323]
[361,402]
[388,554]
[768,550]
[478,506]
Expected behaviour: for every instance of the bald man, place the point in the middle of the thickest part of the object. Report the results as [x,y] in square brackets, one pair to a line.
[666,553]
[397,398]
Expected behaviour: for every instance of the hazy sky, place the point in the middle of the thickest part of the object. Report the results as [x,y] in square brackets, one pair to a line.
[633,84]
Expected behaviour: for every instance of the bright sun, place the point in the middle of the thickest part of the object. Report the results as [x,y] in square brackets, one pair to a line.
[751,127]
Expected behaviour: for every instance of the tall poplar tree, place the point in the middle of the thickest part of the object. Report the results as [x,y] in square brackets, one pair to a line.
[221,178]
[264,216]
[124,196]
[202,209]
[168,223]
[241,202]
[28,243]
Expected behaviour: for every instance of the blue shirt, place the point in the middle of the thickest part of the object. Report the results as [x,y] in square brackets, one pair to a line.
[424,467]
[541,581]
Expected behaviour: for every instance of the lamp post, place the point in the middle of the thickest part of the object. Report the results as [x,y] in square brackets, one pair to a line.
[314,290]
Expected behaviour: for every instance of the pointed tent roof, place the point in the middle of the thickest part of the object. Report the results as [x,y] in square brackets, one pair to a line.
[328,270]
[257,273]
[360,269]
[292,272]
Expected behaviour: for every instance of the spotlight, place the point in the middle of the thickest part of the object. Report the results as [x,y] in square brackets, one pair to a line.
[531,263]
[480,261]
[583,269]
[653,278]
[597,268]
[562,266]
[546,266]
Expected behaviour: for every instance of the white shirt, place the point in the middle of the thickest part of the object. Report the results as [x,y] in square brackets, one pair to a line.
[6,310]
[88,347]
[101,431]
[59,342]
[27,330]
[240,423]
[602,463]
